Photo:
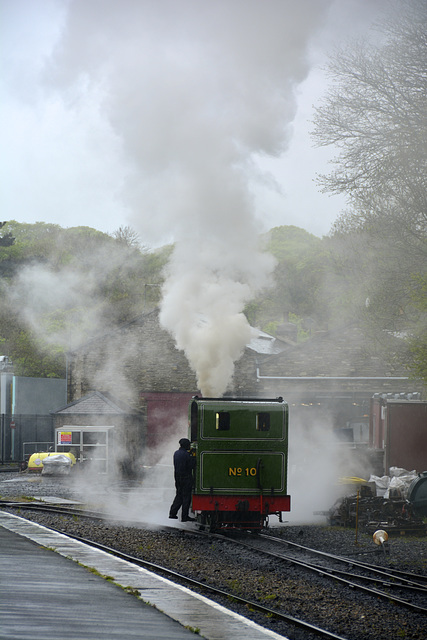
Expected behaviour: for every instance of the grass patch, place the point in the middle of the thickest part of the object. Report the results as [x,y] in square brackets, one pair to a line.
[192,629]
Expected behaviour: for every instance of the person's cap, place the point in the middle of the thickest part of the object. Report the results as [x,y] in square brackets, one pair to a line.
[185,443]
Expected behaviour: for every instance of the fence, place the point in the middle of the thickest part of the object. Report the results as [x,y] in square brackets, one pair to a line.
[19,433]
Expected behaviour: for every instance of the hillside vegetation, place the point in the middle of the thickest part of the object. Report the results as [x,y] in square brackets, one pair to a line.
[61,287]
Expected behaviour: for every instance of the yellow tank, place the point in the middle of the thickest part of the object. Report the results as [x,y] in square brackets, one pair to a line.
[35,463]
[352,480]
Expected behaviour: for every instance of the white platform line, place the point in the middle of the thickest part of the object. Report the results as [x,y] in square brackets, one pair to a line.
[214,621]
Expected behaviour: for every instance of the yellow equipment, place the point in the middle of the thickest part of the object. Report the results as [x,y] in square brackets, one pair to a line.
[35,463]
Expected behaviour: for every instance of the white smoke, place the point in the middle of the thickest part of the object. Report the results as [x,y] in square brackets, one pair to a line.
[316,463]
[196,91]
[202,307]
[58,306]
[146,498]
[321,468]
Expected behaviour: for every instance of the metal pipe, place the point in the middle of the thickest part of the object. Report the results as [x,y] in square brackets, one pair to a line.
[260,377]
[357,516]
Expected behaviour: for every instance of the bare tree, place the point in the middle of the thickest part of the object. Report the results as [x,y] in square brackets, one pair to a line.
[376,114]
[127,236]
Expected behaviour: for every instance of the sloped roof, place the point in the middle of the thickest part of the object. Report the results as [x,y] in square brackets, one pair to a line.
[261,342]
[264,343]
[96,403]
[346,351]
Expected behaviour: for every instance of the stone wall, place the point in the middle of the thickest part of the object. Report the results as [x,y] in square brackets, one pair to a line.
[139,356]
[338,370]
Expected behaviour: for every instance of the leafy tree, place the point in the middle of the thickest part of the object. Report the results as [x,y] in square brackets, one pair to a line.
[32,357]
[302,260]
[7,239]
[418,338]
[94,283]
[289,242]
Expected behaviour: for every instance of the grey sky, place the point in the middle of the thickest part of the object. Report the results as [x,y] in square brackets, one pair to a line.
[170,114]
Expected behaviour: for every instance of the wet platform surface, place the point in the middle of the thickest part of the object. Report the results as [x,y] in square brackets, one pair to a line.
[51,595]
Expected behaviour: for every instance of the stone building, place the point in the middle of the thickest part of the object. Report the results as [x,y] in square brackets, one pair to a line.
[332,375]
[139,363]
[336,373]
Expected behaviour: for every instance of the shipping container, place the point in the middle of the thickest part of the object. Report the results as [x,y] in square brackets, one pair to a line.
[399,428]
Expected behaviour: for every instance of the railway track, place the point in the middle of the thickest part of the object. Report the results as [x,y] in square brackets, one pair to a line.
[170,574]
[401,585]
[387,583]
[203,587]
[52,508]
[405,576]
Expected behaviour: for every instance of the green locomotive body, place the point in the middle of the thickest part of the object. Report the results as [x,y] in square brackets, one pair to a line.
[241,448]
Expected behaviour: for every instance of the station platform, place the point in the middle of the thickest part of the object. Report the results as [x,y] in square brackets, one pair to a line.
[82,593]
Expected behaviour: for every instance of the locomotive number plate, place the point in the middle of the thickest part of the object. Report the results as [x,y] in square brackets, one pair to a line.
[238,471]
[234,472]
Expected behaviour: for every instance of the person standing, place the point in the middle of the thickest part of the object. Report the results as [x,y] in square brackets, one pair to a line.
[184,464]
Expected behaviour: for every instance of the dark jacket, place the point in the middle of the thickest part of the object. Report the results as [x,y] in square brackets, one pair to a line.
[183,463]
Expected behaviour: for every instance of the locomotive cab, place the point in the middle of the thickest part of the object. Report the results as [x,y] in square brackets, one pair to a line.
[241,448]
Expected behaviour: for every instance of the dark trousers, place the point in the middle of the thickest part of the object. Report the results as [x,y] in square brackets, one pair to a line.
[182,499]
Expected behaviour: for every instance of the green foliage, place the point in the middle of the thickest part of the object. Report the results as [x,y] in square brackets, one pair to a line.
[6,239]
[98,282]
[302,332]
[91,282]
[418,339]
[418,366]
[303,260]
[32,357]
[271,327]
[289,243]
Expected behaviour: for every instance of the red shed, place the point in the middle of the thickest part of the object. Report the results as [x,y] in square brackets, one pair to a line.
[399,428]
[167,415]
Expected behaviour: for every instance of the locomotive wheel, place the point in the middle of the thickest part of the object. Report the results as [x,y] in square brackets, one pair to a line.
[204,521]
[212,521]
[209,521]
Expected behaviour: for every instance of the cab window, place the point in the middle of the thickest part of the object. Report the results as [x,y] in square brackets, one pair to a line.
[263,422]
[222,421]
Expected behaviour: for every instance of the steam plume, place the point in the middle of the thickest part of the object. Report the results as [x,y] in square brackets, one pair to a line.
[196,91]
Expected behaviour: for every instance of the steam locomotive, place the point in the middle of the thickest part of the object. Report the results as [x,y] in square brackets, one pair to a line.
[241,449]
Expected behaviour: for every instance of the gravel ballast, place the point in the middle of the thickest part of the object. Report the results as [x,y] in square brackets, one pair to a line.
[275,584]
